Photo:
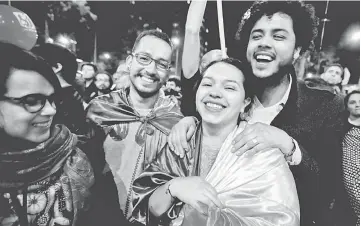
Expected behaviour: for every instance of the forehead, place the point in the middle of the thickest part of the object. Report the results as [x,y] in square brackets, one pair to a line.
[273,22]
[21,83]
[223,71]
[355,96]
[88,67]
[102,76]
[334,68]
[155,47]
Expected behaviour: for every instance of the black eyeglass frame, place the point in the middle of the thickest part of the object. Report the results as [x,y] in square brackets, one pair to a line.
[41,98]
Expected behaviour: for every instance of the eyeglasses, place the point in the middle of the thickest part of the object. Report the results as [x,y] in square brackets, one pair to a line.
[33,103]
[144,59]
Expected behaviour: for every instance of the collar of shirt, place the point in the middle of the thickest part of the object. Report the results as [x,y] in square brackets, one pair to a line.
[266,115]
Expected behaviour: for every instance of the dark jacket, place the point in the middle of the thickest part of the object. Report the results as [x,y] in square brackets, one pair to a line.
[70,111]
[311,117]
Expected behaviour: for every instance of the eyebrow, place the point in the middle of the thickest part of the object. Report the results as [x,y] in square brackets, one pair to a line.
[225,81]
[232,81]
[273,30]
[160,59]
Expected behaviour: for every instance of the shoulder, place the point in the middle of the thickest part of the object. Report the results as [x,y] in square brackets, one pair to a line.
[322,97]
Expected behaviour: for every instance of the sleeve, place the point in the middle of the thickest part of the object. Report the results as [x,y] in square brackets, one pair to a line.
[189,88]
[165,167]
[297,155]
[92,144]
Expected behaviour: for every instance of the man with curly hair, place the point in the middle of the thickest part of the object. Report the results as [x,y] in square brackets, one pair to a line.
[286,114]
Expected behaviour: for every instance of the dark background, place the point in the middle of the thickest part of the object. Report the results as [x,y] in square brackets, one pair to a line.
[116,19]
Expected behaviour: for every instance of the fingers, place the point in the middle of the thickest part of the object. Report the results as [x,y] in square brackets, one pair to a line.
[181,143]
[250,143]
[170,138]
[175,140]
[190,132]
[257,148]
[244,138]
[214,200]
[200,207]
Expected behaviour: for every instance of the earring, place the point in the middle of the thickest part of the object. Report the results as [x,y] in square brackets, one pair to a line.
[243,116]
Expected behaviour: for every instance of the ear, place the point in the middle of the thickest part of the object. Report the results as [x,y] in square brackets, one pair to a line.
[296,54]
[57,68]
[322,76]
[128,62]
[246,102]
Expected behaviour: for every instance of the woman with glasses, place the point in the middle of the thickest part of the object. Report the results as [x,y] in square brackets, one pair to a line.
[45,179]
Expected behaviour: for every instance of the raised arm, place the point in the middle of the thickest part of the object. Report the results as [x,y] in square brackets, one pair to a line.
[191,50]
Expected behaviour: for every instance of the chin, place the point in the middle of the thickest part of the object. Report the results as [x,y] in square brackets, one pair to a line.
[40,137]
[263,73]
[145,93]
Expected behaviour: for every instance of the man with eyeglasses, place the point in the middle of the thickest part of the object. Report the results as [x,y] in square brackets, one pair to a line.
[136,120]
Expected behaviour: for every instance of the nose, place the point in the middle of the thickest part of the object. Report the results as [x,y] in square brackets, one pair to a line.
[48,109]
[265,41]
[151,68]
[215,93]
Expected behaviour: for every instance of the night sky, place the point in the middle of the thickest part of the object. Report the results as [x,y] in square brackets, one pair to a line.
[114,20]
[113,16]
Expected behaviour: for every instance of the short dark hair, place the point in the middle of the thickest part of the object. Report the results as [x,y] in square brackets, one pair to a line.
[347,97]
[155,33]
[175,80]
[106,73]
[55,54]
[245,68]
[13,57]
[305,22]
[89,64]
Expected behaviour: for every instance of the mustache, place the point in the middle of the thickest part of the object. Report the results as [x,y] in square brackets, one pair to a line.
[152,75]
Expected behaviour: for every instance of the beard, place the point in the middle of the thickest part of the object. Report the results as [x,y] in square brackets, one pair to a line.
[141,93]
[273,80]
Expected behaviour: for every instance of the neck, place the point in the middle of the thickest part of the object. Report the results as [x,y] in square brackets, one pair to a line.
[16,143]
[272,94]
[142,102]
[215,135]
[355,120]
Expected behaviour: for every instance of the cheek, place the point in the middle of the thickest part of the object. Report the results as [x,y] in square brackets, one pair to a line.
[163,77]
[16,123]
[249,50]
[199,96]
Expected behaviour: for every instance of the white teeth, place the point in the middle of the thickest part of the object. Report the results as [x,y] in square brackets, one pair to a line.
[147,79]
[263,57]
[44,124]
[214,105]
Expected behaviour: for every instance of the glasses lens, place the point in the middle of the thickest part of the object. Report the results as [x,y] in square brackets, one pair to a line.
[143,59]
[163,65]
[34,102]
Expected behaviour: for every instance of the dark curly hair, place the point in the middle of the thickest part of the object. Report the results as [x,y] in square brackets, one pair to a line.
[305,22]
